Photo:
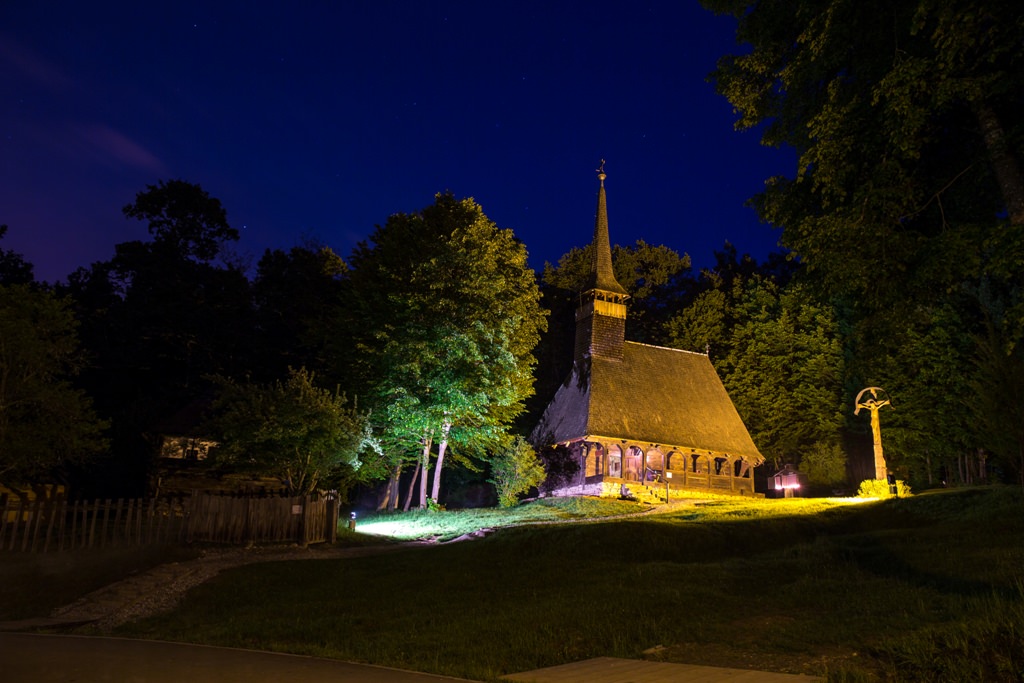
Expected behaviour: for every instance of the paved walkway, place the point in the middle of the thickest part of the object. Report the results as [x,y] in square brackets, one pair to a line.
[34,658]
[613,670]
[37,658]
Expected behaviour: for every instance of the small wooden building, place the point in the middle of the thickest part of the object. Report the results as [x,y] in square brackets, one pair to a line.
[636,414]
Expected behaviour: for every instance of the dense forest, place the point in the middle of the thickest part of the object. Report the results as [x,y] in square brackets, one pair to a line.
[432,346]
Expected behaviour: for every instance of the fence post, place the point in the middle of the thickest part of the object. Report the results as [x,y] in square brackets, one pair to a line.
[332,517]
[4,524]
[54,506]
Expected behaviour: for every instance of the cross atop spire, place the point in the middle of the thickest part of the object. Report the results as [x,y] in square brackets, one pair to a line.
[602,277]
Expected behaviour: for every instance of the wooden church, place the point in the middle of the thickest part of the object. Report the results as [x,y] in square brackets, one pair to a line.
[640,415]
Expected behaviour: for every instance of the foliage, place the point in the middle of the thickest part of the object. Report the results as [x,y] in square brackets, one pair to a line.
[998,409]
[448,316]
[14,269]
[905,116]
[183,218]
[780,355]
[879,488]
[46,424]
[296,294]
[514,471]
[306,435]
[824,463]
[157,321]
[653,276]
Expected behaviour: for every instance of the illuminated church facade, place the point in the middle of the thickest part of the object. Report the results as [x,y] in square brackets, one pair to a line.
[635,415]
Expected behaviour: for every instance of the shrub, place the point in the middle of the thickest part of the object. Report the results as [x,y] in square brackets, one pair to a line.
[879,488]
[824,463]
[515,470]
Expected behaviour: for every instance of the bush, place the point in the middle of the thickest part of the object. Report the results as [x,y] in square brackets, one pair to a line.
[824,463]
[879,488]
[514,471]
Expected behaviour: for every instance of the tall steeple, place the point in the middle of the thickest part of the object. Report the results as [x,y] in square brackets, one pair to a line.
[601,274]
[601,314]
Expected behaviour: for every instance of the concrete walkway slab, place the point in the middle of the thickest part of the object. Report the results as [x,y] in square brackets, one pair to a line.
[614,670]
[35,658]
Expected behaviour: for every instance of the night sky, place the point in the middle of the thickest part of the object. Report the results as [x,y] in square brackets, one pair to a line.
[320,119]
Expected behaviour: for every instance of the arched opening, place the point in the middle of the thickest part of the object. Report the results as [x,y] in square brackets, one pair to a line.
[655,465]
[614,461]
[634,463]
[741,468]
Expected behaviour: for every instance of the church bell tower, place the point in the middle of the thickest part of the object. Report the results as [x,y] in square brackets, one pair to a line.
[601,313]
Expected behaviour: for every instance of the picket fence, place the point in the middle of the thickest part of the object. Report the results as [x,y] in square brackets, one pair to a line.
[60,525]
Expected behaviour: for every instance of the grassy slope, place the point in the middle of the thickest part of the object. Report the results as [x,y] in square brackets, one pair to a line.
[801,586]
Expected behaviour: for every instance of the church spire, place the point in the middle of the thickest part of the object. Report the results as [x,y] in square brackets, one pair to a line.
[601,313]
[602,276]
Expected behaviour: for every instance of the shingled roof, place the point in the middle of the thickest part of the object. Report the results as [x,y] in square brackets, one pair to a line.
[653,395]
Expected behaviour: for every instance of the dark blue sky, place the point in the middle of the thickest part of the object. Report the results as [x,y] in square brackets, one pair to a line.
[320,119]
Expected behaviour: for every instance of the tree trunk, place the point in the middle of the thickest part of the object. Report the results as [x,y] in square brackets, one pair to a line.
[389,501]
[1004,164]
[441,448]
[395,493]
[424,469]
[412,487]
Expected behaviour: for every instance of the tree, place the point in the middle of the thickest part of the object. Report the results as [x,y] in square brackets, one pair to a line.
[157,320]
[14,269]
[779,352]
[907,120]
[46,425]
[514,471]
[183,218]
[824,463]
[655,277]
[292,429]
[997,408]
[296,295]
[449,316]
[784,371]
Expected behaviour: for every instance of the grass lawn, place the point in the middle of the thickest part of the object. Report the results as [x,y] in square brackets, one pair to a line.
[923,588]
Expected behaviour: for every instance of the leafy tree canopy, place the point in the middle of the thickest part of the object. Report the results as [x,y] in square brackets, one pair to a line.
[184,218]
[46,424]
[907,118]
[448,317]
[307,436]
[14,269]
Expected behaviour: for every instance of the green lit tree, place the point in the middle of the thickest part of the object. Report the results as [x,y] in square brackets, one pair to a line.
[303,434]
[515,470]
[46,425]
[785,370]
[448,317]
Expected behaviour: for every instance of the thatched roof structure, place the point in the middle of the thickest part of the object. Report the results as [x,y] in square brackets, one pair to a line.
[654,395]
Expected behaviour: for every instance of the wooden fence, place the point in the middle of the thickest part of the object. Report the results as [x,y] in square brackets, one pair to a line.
[58,525]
